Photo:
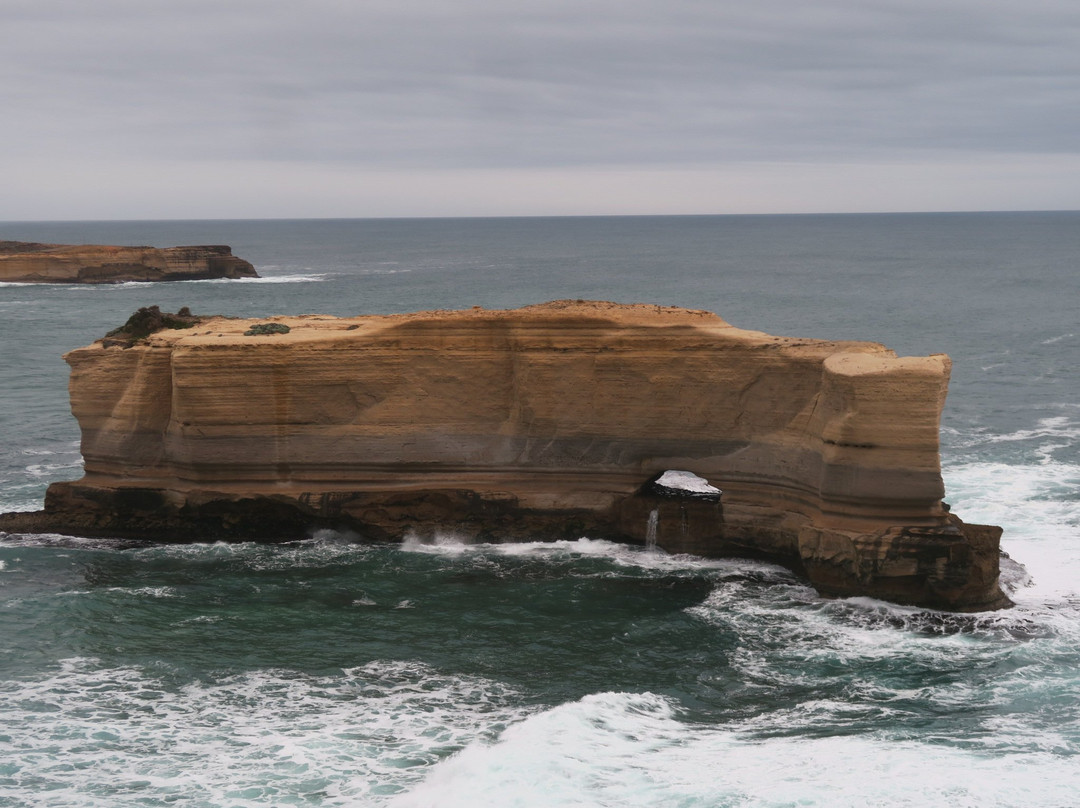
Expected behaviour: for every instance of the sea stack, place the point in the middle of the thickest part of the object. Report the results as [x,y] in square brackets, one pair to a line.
[27,262]
[550,421]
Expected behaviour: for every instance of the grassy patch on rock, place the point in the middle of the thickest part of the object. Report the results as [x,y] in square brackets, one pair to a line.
[265,329]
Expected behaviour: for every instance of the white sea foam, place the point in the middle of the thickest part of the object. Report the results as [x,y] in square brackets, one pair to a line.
[449,544]
[312,277]
[1038,505]
[90,735]
[145,591]
[256,556]
[72,448]
[59,540]
[50,469]
[12,503]
[623,749]
[1054,431]
[439,542]
[1058,427]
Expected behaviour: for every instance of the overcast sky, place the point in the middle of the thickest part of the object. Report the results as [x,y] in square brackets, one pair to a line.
[265,108]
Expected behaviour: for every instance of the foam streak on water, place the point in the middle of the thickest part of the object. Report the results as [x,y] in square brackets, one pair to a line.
[97,736]
[620,749]
[572,673]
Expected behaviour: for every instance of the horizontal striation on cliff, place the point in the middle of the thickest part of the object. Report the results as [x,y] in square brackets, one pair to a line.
[543,421]
[29,262]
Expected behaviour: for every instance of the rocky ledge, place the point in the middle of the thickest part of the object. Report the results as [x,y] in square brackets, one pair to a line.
[550,421]
[27,262]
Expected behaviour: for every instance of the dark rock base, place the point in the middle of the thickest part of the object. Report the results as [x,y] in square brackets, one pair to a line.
[952,568]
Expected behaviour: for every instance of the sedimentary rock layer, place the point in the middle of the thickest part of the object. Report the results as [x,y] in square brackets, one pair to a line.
[542,422]
[25,262]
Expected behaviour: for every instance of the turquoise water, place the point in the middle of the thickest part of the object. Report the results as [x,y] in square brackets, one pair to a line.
[327,672]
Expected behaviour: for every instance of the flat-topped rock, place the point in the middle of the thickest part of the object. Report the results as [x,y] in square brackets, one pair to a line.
[30,262]
[549,421]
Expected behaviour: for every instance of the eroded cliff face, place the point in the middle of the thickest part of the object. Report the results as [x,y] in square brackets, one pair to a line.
[541,422]
[26,262]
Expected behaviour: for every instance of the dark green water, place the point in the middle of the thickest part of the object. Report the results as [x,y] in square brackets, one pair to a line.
[326,672]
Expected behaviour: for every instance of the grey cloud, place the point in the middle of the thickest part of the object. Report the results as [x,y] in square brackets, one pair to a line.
[493,84]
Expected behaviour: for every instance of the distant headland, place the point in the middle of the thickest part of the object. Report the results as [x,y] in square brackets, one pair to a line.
[642,423]
[30,262]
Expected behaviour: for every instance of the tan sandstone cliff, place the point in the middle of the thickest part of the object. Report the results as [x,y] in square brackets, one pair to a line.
[27,262]
[542,422]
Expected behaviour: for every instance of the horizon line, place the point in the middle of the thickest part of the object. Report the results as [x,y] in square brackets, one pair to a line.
[546,216]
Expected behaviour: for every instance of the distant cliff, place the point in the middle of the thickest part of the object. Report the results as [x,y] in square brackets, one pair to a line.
[549,421]
[26,262]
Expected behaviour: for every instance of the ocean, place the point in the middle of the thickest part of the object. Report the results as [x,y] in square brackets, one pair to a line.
[327,672]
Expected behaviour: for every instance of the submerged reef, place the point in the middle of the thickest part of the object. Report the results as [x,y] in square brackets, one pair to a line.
[29,262]
[641,423]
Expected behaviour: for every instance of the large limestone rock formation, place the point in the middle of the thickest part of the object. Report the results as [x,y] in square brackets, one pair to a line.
[543,422]
[26,262]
